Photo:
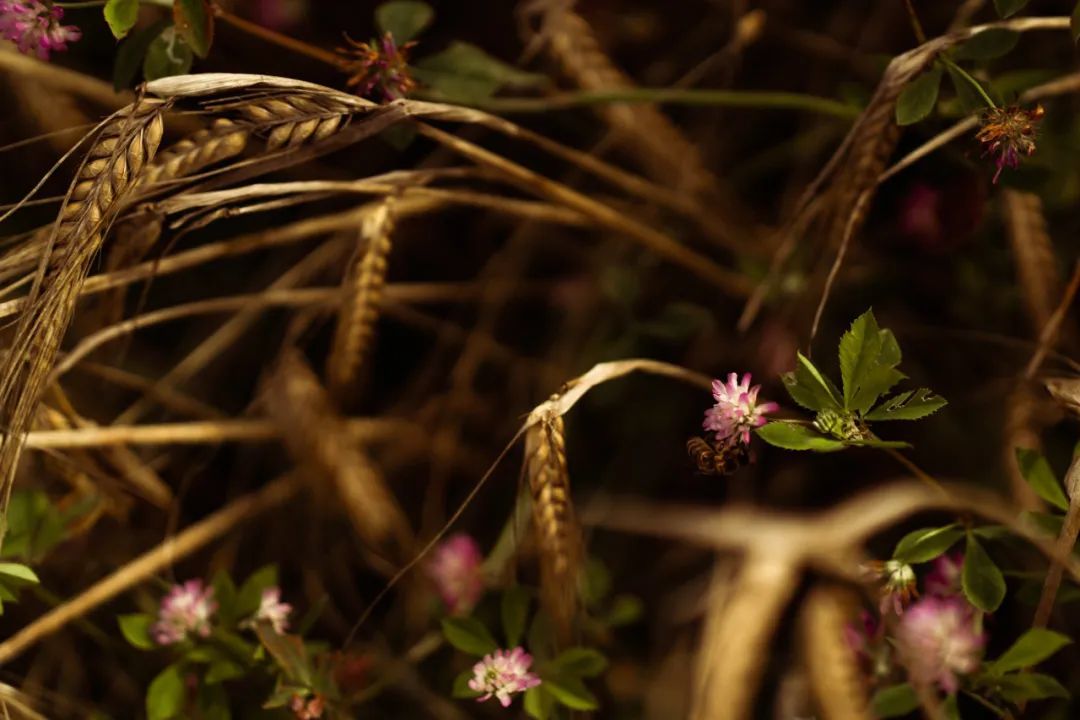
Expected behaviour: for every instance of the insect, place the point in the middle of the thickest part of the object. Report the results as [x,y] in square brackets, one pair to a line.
[718,458]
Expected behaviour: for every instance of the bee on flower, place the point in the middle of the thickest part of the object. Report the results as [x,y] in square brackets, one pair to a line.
[1009,133]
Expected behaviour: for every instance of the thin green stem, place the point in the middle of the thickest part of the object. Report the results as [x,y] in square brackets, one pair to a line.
[675,96]
[967,77]
[916,26]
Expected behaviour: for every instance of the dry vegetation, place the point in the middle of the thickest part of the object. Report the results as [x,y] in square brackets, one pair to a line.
[253,319]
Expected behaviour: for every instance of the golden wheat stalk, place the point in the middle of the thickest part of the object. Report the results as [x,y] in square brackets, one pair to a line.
[658,144]
[1036,265]
[107,176]
[363,287]
[318,437]
[557,532]
[835,678]
[224,139]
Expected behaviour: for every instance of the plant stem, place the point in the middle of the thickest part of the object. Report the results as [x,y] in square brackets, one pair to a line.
[679,96]
[967,77]
[916,26]
[256,30]
[1066,541]
[915,469]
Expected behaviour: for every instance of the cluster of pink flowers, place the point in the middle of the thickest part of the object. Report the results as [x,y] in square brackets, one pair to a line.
[185,611]
[379,69]
[1009,133]
[456,569]
[307,708]
[502,674]
[35,28]
[737,410]
[938,637]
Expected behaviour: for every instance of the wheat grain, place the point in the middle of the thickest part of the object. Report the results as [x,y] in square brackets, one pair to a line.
[558,535]
[224,139]
[106,177]
[363,290]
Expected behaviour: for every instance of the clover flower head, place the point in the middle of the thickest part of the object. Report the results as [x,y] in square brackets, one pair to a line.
[737,410]
[379,69]
[186,610]
[899,586]
[35,27]
[502,674]
[273,610]
[455,568]
[938,640]
[1009,134]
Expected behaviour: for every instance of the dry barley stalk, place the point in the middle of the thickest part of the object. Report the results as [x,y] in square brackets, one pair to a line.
[557,532]
[657,143]
[317,436]
[106,178]
[224,139]
[837,682]
[363,290]
[1036,265]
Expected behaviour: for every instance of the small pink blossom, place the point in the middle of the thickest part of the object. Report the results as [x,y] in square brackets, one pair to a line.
[307,708]
[943,580]
[186,610]
[379,69]
[35,27]
[502,674]
[899,586]
[737,410]
[456,570]
[938,640]
[273,610]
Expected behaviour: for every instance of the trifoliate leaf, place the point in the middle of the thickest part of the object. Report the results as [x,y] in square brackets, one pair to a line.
[918,99]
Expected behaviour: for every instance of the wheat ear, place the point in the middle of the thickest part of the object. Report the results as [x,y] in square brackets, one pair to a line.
[363,287]
[317,436]
[224,139]
[104,181]
[557,532]
[835,677]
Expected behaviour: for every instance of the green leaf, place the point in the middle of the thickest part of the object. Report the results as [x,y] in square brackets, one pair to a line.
[466,74]
[538,703]
[404,19]
[461,687]
[579,662]
[792,436]
[131,53]
[920,546]
[1036,471]
[918,99]
[18,572]
[625,610]
[1074,23]
[1023,687]
[195,23]
[981,579]
[809,388]
[1008,8]
[136,630]
[894,701]
[468,635]
[868,360]
[910,405]
[165,696]
[249,597]
[570,692]
[288,652]
[222,669]
[1030,649]
[515,614]
[987,45]
[121,16]
[167,55]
